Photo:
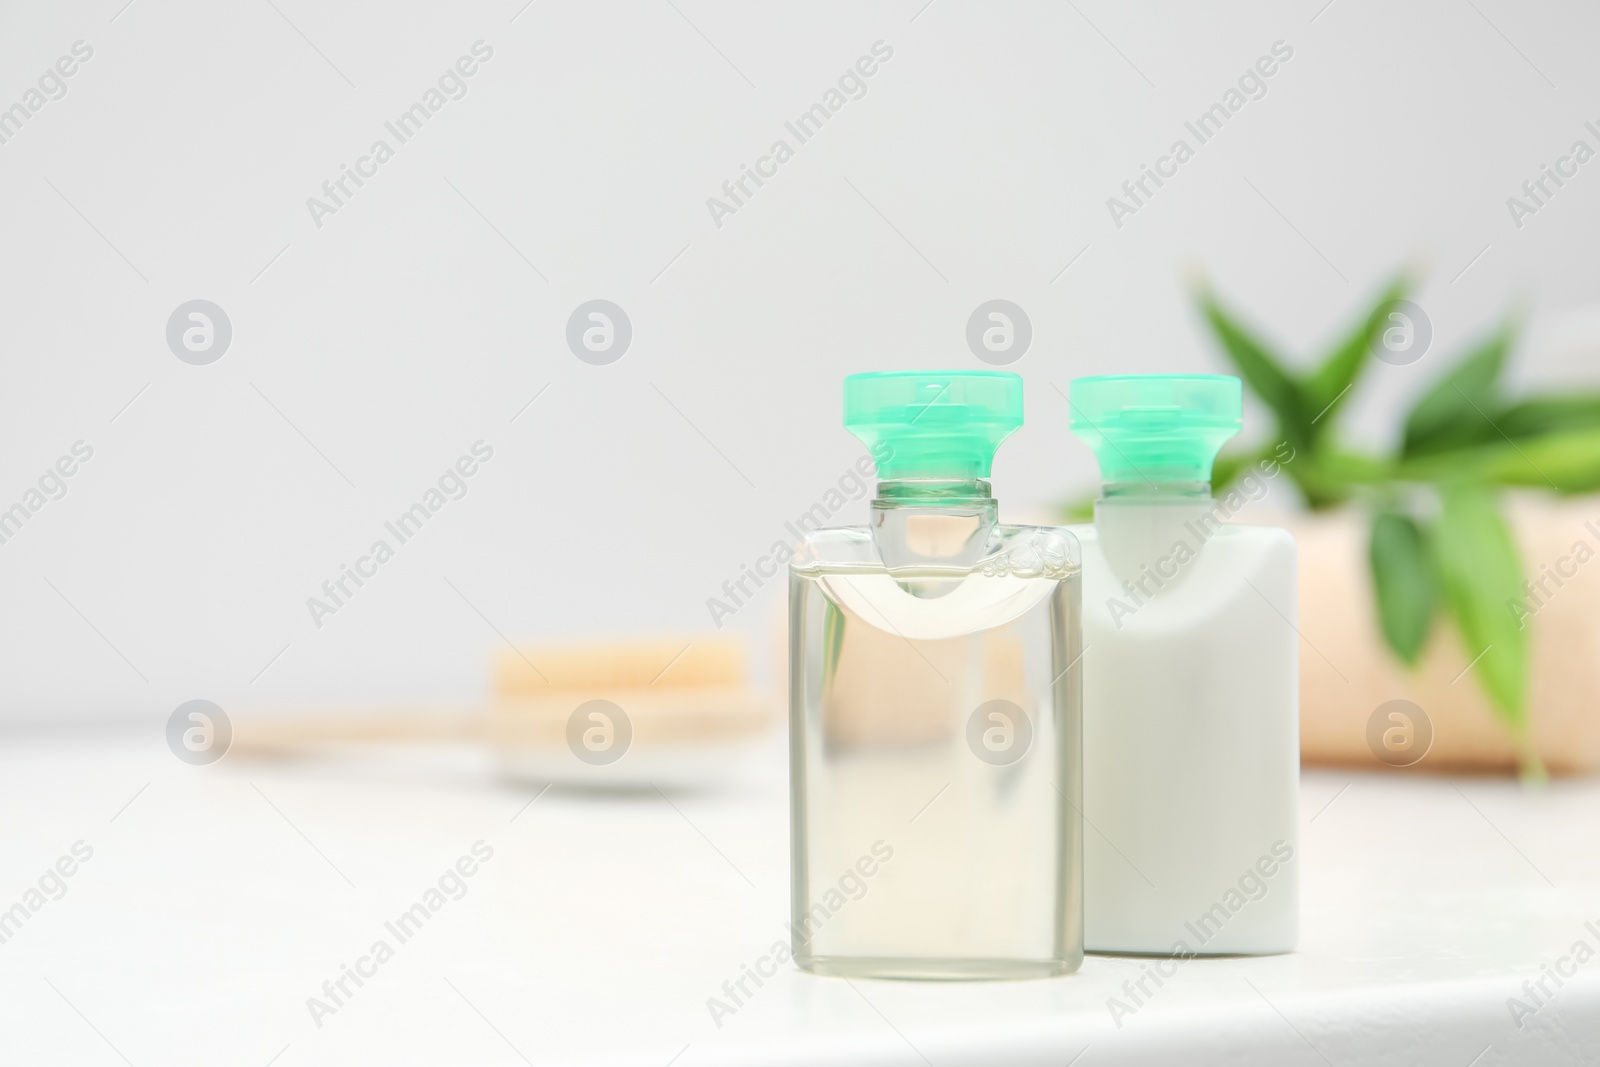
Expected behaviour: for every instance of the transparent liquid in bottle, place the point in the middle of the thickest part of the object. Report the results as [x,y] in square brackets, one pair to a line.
[935,760]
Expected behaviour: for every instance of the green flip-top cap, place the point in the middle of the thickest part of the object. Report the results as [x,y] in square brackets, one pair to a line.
[936,424]
[1156,428]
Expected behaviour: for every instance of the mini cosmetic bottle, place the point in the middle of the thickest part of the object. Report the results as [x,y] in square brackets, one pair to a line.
[934,707]
[1191,698]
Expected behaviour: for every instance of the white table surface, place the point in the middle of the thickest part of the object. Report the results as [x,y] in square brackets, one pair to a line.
[218,899]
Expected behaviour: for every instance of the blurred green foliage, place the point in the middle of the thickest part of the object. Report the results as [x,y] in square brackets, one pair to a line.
[1439,543]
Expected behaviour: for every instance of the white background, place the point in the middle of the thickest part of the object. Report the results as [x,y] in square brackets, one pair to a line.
[379,347]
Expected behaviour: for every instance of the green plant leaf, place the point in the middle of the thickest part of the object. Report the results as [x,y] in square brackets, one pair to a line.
[1563,462]
[1403,580]
[1566,462]
[1482,574]
[1266,376]
[1323,486]
[1550,414]
[1329,386]
[1355,468]
[1229,464]
[1457,410]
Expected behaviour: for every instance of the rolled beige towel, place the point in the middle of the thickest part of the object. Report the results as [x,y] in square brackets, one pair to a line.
[1346,670]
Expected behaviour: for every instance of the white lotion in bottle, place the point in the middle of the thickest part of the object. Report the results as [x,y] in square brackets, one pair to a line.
[1190,682]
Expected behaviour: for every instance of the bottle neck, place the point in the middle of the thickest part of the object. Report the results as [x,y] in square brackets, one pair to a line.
[937,493]
[1139,522]
[933,522]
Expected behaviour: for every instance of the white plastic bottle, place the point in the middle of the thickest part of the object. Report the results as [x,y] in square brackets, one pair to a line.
[1190,682]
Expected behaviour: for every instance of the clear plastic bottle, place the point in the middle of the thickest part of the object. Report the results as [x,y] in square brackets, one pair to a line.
[934,707]
[1191,693]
